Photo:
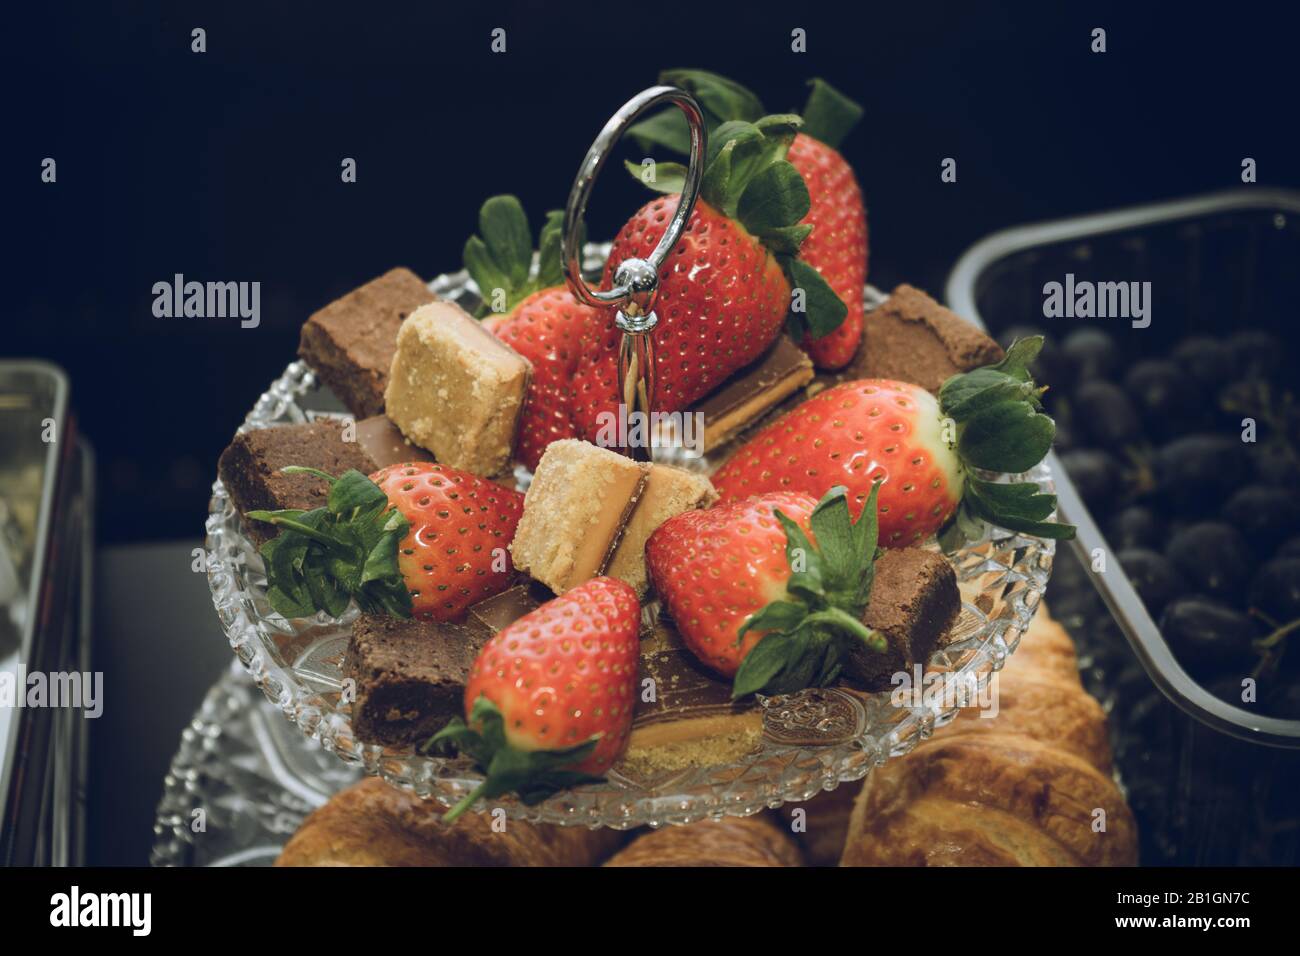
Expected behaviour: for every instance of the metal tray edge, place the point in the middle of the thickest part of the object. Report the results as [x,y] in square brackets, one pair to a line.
[1130,613]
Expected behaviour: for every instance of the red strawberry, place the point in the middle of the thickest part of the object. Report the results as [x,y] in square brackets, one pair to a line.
[725,288]
[457,550]
[754,596]
[923,450]
[550,698]
[715,568]
[548,329]
[722,299]
[419,539]
[837,246]
[538,317]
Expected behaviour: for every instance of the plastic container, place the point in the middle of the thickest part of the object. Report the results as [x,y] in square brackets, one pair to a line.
[1211,783]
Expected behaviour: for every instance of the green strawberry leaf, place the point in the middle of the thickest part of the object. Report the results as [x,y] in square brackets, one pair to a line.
[779,129]
[504,227]
[669,178]
[1019,506]
[666,130]
[804,560]
[533,774]
[1001,428]
[456,737]
[326,592]
[717,175]
[829,115]
[1019,357]
[762,664]
[786,240]
[753,155]
[807,635]
[720,98]
[822,310]
[1019,499]
[353,494]
[744,135]
[1007,437]
[482,268]
[805,659]
[962,396]
[550,265]
[501,256]
[348,550]
[834,531]
[866,539]
[776,197]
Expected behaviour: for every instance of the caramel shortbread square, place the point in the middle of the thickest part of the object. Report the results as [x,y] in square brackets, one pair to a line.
[668,492]
[457,390]
[574,512]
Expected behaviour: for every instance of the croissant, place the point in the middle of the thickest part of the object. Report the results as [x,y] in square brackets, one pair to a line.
[1029,787]
[731,841]
[374,824]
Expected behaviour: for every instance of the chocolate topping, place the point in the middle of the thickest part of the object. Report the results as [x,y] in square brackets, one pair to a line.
[384,443]
[782,370]
[510,605]
[683,686]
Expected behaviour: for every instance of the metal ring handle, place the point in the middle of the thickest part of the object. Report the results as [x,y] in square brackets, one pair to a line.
[576,208]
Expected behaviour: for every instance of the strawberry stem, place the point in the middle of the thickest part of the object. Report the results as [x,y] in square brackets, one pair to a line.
[467,801]
[841,619]
[279,520]
[809,633]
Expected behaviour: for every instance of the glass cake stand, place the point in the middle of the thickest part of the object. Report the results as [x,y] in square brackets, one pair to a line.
[241,782]
[811,741]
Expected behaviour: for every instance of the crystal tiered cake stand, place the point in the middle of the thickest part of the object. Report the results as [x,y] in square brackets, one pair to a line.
[811,741]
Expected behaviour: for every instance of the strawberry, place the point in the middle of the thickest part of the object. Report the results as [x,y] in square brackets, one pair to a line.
[924,451]
[769,589]
[726,288]
[415,540]
[532,312]
[837,246]
[549,700]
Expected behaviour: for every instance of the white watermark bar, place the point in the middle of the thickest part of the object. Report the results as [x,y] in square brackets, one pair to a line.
[84,690]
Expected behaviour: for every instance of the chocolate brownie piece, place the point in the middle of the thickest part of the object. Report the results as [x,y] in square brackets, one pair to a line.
[409,675]
[914,602]
[912,338]
[351,342]
[250,468]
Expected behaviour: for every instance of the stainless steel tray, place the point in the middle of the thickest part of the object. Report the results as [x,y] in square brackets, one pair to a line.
[1276,209]
[33,398]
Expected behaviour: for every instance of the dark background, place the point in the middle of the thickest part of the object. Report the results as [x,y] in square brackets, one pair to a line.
[225,166]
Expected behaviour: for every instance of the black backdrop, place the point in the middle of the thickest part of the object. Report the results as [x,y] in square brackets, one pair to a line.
[225,166]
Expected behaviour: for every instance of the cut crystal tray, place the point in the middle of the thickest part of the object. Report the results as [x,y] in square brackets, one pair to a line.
[812,741]
[241,782]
